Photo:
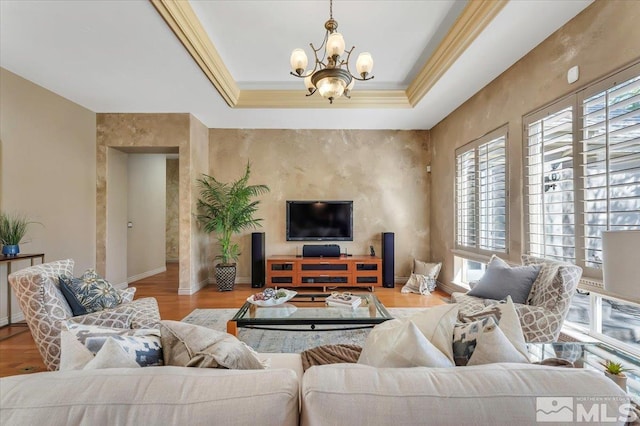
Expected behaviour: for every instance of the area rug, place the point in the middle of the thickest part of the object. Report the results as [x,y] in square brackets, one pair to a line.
[272,341]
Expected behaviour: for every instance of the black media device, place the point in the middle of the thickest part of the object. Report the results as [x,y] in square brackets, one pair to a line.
[388,259]
[319,221]
[324,250]
[258,260]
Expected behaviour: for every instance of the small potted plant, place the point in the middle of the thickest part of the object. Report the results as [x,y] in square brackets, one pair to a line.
[227,209]
[615,371]
[13,228]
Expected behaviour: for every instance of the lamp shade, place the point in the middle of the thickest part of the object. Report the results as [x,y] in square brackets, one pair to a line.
[308,83]
[299,61]
[331,87]
[364,64]
[335,44]
[621,264]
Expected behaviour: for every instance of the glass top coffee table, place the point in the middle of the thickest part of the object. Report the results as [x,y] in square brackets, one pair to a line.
[308,311]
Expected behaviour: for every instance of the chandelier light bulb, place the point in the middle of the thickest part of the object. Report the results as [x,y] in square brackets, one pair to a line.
[364,64]
[331,87]
[335,44]
[299,61]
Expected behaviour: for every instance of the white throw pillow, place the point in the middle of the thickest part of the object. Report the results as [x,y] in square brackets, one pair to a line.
[506,317]
[190,345]
[436,324]
[430,270]
[112,355]
[76,356]
[492,345]
[469,336]
[398,344]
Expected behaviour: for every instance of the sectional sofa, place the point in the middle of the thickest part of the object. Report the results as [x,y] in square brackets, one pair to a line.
[338,394]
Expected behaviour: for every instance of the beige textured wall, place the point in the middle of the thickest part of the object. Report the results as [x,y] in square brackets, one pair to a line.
[47,171]
[117,182]
[146,205]
[601,39]
[146,132]
[383,172]
[200,258]
[172,209]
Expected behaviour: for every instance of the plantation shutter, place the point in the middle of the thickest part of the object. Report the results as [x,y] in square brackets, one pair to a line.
[466,199]
[610,133]
[481,194]
[549,185]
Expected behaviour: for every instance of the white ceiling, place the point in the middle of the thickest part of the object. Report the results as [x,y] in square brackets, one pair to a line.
[120,56]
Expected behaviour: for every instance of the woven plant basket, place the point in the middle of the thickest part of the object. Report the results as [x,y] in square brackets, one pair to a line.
[226,277]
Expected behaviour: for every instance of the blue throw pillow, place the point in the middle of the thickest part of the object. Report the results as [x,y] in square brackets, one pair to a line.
[501,280]
[89,293]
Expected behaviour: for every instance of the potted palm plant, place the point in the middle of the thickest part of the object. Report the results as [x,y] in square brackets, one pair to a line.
[13,228]
[227,209]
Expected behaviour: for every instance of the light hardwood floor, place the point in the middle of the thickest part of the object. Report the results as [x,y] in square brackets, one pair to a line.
[19,355]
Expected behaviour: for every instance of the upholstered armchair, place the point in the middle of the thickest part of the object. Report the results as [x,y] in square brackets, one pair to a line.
[45,308]
[547,305]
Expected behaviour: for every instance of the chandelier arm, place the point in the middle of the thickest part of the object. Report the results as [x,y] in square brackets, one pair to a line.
[311,92]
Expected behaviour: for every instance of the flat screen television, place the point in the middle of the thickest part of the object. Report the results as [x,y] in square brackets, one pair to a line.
[319,220]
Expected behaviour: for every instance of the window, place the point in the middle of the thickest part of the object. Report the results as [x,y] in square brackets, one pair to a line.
[481,194]
[611,320]
[611,162]
[582,177]
[582,170]
[549,180]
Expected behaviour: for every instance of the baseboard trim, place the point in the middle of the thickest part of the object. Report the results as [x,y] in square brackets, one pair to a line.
[147,274]
[192,290]
[451,288]
[19,317]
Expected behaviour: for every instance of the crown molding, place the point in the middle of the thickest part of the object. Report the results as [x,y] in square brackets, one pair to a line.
[297,99]
[475,17]
[187,27]
[183,21]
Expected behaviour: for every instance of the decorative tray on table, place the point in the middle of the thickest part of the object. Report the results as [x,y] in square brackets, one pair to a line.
[271,297]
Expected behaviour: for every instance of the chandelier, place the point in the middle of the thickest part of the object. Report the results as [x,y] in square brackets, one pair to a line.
[330,75]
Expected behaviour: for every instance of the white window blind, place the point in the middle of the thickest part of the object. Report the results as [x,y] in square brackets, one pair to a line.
[610,142]
[466,199]
[549,188]
[481,194]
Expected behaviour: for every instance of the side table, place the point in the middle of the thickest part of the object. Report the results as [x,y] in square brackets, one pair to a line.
[8,260]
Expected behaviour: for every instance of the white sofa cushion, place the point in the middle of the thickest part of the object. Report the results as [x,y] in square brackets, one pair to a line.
[151,396]
[344,394]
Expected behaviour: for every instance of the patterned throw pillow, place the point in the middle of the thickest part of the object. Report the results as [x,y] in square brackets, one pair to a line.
[423,278]
[466,336]
[142,345]
[417,284]
[89,293]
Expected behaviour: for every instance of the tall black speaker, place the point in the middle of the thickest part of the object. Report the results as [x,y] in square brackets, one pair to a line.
[388,259]
[258,260]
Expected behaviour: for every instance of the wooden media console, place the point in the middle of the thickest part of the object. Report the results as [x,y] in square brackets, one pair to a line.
[344,271]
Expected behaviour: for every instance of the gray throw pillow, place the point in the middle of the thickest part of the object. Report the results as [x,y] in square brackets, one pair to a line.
[501,280]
